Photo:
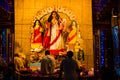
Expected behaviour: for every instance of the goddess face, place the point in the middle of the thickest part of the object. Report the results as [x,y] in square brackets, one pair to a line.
[54,15]
[74,23]
[37,22]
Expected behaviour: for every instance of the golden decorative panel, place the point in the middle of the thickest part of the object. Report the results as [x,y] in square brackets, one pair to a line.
[80,9]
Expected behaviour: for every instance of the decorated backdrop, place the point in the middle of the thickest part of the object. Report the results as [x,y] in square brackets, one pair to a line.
[78,12]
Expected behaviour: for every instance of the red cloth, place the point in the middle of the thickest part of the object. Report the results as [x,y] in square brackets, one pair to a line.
[56,52]
[37,38]
[46,41]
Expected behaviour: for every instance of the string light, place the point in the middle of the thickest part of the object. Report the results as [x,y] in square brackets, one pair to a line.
[102,55]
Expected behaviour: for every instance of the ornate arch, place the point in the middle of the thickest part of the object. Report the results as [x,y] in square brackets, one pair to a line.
[42,13]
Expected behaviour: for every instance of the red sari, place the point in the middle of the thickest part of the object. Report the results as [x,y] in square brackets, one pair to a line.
[36,39]
[46,41]
[52,38]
